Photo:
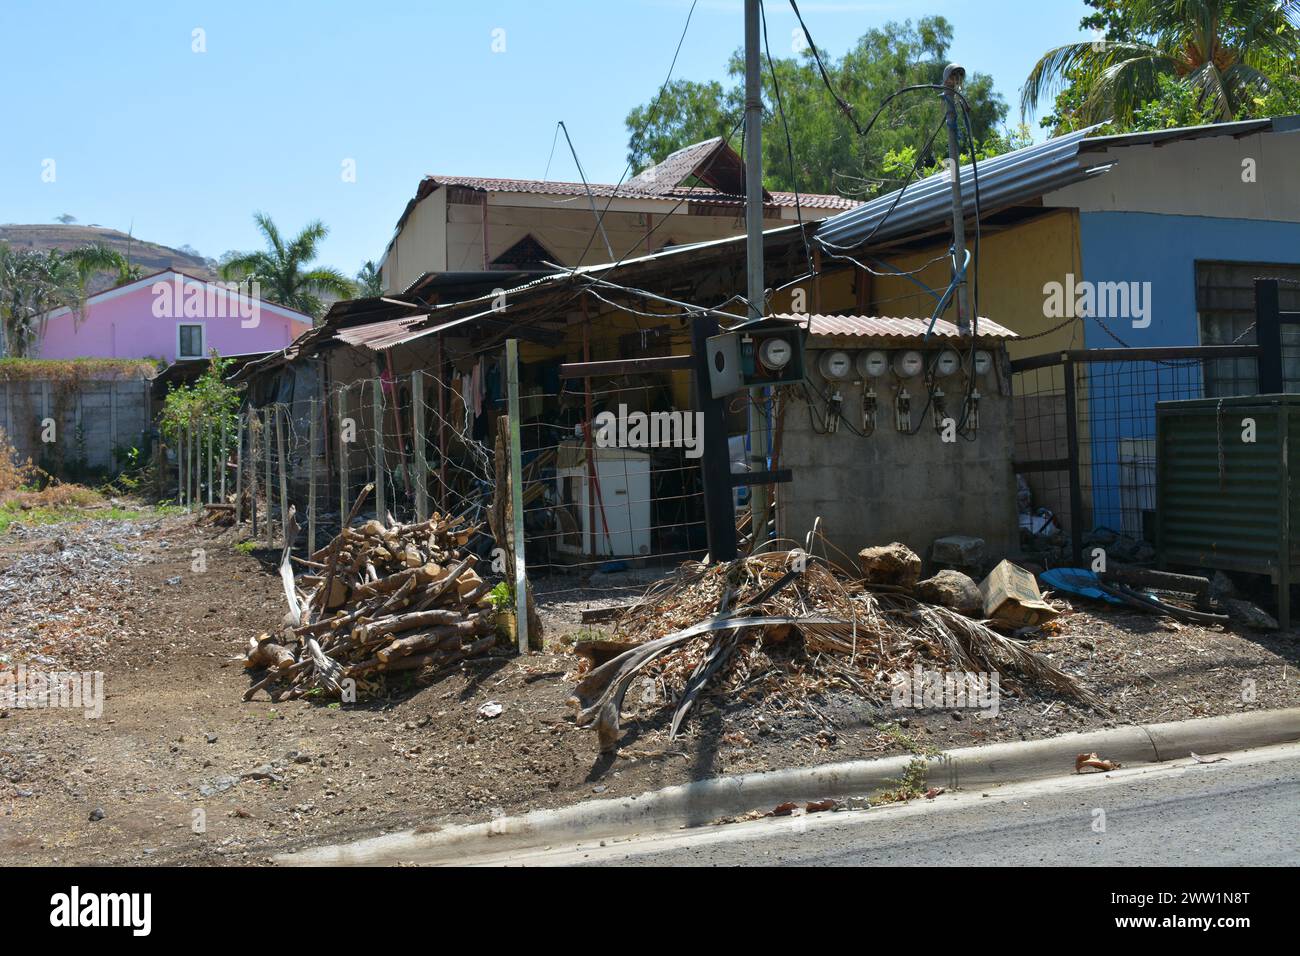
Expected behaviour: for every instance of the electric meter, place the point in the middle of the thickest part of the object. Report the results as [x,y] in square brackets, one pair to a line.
[983,362]
[775,353]
[835,366]
[947,363]
[908,364]
[872,364]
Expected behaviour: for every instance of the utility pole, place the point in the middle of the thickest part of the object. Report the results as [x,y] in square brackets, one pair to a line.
[953,75]
[754,249]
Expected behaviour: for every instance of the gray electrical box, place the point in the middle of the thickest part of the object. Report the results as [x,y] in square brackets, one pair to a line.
[725,376]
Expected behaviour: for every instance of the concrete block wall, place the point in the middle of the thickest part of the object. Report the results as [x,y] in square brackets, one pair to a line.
[92,418]
[892,486]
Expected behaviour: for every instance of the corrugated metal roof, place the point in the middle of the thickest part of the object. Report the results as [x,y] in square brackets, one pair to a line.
[890,327]
[1277,124]
[1005,180]
[1010,179]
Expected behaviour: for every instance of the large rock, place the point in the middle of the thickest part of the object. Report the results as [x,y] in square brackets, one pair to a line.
[1251,615]
[890,564]
[952,589]
[958,550]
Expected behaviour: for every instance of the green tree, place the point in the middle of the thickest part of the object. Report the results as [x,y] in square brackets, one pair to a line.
[1227,52]
[829,156]
[283,269]
[370,282]
[98,257]
[32,285]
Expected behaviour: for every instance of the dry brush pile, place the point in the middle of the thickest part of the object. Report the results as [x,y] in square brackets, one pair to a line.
[382,597]
[782,628]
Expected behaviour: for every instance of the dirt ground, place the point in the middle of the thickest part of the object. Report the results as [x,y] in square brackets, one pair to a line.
[179,770]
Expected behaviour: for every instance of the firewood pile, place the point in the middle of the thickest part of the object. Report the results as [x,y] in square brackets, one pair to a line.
[382,597]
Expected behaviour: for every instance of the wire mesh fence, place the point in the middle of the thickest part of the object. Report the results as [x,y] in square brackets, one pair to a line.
[610,478]
[1085,440]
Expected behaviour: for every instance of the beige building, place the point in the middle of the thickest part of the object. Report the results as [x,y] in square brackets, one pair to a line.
[464,224]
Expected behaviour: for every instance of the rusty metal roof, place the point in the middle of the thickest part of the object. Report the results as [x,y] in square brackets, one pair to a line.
[890,327]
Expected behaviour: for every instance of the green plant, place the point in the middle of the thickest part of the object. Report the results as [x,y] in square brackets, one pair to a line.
[910,785]
[208,403]
[502,596]
[246,547]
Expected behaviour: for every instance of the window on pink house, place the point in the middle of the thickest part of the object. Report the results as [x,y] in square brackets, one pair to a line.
[189,341]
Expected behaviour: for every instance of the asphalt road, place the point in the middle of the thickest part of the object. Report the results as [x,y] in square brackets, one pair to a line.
[1240,811]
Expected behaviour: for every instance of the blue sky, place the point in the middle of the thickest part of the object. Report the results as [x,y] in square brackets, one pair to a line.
[182,147]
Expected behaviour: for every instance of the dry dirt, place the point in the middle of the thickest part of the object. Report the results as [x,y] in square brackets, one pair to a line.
[184,771]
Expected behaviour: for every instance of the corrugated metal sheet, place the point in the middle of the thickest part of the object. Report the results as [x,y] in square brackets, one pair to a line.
[874,326]
[1279,124]
[1005,180]
[1221,501]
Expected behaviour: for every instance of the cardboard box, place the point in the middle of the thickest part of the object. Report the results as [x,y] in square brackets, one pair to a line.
[1011,594]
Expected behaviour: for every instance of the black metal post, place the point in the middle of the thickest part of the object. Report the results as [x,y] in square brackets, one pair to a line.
[1268,334]
[1072,439]
[715,462]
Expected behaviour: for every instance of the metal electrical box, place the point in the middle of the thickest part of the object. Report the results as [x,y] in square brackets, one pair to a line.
[758,353]
[1224,501]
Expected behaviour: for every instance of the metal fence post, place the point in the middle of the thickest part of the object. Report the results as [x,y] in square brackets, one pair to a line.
[1268,335]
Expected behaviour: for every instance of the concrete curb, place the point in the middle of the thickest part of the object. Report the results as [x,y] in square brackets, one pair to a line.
[695,804]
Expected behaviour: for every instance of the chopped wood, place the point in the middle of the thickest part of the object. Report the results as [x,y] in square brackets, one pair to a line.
[380,597]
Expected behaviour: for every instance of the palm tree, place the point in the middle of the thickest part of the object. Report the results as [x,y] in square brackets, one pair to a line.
[98,257]
[32,285]
[282,271]
[1222,49]
[370,282]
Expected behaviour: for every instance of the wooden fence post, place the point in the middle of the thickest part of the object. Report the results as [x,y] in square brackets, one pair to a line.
[284,481]
[517,493]
[377,408]
[239,473]
[311,480]
[182,476]
[417,437]
[266,451]
[344,477]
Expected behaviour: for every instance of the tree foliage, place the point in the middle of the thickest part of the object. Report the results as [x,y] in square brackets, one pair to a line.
[1153,61]
[284,271]
[208,402]
[829,156]
[34,283]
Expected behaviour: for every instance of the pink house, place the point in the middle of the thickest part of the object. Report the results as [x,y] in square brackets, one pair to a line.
[170,315]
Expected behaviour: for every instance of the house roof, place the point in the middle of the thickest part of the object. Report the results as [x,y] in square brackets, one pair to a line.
[891,327]
[716,167]
[1014,178]
[170,274]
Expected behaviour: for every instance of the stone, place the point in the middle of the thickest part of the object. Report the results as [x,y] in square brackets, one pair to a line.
[952,589]
[1243,612]
[959,550]
[97,814]
[890,564]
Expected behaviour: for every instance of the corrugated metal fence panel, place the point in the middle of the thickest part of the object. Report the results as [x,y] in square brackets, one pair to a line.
[1220,498]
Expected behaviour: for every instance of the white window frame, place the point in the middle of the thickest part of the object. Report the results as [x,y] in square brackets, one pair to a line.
[203,339]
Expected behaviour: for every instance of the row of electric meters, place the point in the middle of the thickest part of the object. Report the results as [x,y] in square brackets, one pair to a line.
[837,365]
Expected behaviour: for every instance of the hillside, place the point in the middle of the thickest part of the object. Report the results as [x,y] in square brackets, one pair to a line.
[151,256]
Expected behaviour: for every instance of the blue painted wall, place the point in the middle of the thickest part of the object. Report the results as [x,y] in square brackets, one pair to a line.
[1162,250]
